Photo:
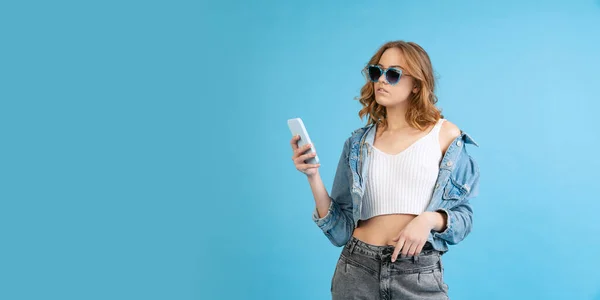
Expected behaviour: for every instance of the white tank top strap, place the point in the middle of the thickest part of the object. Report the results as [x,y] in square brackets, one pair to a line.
[437,127]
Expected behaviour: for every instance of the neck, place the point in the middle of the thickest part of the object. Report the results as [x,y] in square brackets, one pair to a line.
[396,117]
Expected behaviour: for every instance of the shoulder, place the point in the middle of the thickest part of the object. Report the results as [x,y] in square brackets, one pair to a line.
[449,130]
[448,133]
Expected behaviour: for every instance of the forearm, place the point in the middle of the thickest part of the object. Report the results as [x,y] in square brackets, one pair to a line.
[437,219]
[333,212]
[458,224]
[322,200]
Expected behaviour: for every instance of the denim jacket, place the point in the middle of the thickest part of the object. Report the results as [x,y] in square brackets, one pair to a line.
[457,183]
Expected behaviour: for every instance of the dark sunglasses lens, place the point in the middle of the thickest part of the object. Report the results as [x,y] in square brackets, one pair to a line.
[392,76]
[374,73]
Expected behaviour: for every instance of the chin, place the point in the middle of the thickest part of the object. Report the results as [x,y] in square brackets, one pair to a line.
[382,100]
[388,103]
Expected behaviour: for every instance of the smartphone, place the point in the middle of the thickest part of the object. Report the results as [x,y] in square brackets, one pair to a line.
[297,128]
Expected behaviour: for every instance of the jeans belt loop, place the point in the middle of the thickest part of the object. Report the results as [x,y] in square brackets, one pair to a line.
[352,245]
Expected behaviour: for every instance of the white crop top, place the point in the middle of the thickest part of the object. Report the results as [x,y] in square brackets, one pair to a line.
[403,182]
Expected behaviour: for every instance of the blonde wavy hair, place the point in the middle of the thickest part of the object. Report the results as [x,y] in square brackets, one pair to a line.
[422,111]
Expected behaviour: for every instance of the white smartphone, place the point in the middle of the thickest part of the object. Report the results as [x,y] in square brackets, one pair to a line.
[297,128]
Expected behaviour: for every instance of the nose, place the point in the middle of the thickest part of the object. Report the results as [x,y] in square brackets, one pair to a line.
[382,78]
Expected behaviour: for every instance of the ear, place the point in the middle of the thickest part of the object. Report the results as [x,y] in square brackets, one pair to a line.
[416,86]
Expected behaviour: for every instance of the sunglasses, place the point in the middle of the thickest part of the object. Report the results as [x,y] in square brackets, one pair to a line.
[392,75]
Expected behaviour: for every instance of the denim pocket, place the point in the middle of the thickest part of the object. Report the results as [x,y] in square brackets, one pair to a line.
[430,281]
[439,278]
[454,190]
[357,265]
[422,284]
[419,279]
[337,269]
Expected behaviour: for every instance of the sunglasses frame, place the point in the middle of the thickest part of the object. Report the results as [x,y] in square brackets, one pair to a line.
[384,73]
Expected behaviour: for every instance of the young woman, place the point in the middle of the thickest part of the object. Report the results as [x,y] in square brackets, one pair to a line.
[402,187]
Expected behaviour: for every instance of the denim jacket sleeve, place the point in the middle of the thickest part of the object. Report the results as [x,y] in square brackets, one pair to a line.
[338,223]
[462,186]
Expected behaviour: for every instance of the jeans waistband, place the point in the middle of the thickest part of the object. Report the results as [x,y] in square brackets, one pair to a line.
[380,252]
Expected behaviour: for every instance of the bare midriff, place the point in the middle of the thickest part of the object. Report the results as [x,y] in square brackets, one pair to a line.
[381,230]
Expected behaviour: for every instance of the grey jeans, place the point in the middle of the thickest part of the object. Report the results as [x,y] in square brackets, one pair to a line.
[365,271]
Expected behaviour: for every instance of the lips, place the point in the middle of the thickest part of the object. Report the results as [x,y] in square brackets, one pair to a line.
[382,90]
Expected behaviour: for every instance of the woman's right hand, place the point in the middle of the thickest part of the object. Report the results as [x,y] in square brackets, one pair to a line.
[298,158]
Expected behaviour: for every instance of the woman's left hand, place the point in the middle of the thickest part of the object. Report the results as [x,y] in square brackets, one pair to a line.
[412,238]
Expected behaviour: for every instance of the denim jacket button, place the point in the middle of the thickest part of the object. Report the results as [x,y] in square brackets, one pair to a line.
[449,163]
[458,143]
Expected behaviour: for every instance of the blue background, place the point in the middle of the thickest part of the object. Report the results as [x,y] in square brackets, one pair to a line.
[145,151]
